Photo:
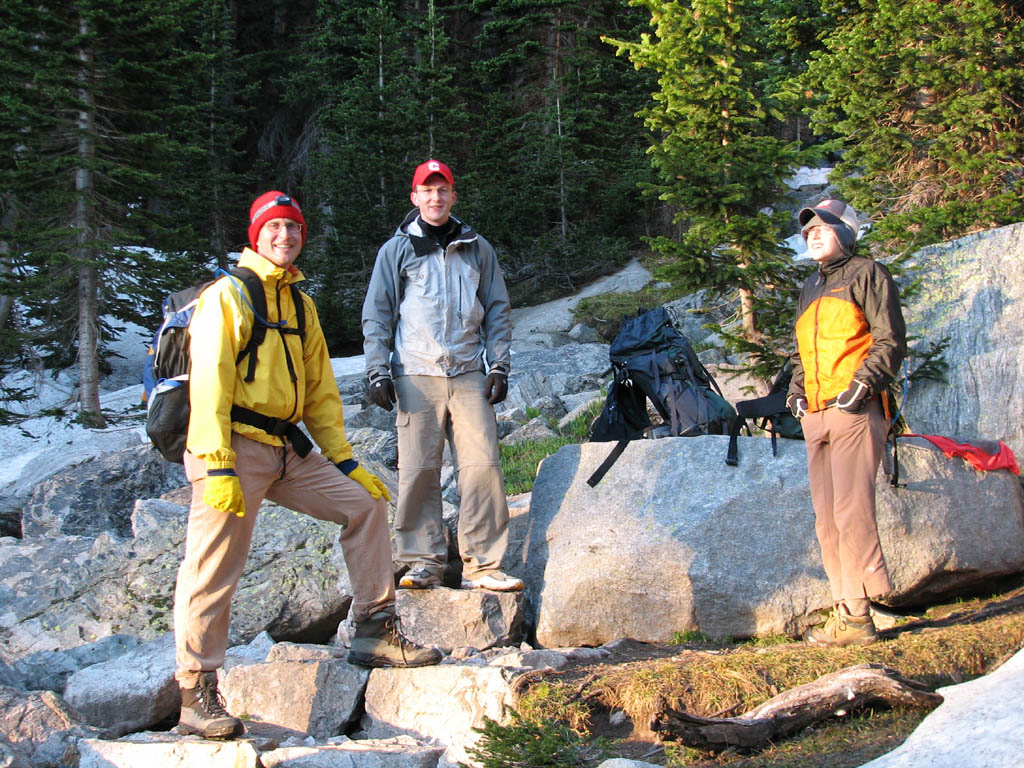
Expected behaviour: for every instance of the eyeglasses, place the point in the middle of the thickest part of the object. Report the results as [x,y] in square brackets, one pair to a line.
[291,227]
[443,191]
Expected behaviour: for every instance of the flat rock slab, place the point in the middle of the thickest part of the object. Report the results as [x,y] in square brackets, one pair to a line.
[457,618]
[317,697]
[130,692]
[399,752]
[441,704]
[182,753]
[673,540]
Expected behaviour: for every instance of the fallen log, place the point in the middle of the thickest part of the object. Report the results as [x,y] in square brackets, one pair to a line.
[834,694]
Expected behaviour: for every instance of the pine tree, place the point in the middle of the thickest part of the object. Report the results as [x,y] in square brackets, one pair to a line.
[713,144]
[385,82]
[926,98]
[559,157]
[215,180]
[88,156]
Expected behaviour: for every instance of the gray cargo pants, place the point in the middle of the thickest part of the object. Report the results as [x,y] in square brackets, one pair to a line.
[432,409]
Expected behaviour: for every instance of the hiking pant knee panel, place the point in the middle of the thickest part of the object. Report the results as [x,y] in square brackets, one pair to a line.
[843,454]
[430,410]
[217,544]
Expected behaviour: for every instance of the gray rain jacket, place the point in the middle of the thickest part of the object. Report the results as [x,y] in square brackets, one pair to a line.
[432,312]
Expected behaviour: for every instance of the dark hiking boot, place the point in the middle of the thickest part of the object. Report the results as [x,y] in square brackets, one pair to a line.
[843,629]
[203,713]
[379,642]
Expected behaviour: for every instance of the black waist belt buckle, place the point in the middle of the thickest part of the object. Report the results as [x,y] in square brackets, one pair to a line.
[302,444]
[277,427]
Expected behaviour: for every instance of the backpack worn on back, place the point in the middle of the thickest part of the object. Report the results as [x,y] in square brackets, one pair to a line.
[653,361]
[772,412]
[168,363]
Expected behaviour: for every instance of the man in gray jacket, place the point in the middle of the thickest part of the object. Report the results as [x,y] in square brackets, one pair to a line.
[437,335]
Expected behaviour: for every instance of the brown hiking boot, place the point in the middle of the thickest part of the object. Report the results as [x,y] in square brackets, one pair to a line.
[203,713]
[379,642]
[843,629]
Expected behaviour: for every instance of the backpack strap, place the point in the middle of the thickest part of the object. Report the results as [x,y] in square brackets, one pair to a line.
[732,456]
[612,457]
[894,480]
[762,408]
[258,303]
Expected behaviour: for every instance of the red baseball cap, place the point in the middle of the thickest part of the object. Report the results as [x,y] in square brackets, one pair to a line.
[428,169]
[273,205]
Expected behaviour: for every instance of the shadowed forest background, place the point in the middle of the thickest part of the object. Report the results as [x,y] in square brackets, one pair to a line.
[135,134]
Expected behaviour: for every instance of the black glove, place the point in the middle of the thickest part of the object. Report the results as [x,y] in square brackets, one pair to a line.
[797,405]
[496,387]
[854,398]
[382,392]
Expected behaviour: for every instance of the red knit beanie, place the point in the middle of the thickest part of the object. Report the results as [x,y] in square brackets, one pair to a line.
[273,205]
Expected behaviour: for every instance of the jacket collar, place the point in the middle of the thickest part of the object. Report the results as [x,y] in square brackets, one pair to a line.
[412,227]
[835,265]
[266,270]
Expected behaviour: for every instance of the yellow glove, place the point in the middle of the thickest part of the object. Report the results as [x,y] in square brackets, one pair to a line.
[224,492]
[373,484]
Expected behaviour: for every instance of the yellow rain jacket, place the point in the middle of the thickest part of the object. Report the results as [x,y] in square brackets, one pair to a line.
[220,329]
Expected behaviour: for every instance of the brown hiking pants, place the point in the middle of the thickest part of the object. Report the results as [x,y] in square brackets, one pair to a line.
[843,453]
[217,544]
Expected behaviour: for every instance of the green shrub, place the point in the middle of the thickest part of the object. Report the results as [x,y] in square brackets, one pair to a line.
[519,462]
[526,743]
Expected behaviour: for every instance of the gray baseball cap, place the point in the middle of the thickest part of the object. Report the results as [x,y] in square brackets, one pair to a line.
[836,214]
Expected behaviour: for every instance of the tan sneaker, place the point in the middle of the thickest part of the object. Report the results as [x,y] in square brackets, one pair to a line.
[203,713]
[495,582]
[843,629]
[379,642]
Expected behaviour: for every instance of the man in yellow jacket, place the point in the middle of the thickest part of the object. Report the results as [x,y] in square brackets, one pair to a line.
[243,446]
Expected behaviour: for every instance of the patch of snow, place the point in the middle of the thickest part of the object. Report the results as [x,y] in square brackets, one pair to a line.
[348,366]
[808,176]
[43,443]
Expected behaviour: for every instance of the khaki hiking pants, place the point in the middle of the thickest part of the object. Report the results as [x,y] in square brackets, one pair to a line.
[432,409]
[843,453]
[217,544]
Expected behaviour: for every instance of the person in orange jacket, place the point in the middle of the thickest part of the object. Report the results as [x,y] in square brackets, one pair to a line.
[244,445]
[850,342]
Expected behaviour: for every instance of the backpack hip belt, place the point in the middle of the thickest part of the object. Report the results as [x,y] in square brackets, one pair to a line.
[273,426]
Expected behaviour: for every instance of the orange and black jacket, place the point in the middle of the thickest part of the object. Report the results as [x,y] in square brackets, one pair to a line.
[849,326]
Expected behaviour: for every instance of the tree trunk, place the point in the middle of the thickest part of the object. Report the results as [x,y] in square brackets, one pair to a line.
[6,302]
[88,341]
[556,86]
[833,695]
[88,279]
[382,181]
[432,24]
[750,332]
